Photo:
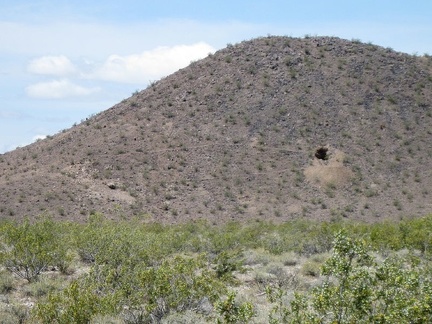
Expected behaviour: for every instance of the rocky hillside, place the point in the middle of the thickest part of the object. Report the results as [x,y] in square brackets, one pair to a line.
[272,128]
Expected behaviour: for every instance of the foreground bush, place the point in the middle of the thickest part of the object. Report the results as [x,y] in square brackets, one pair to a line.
[138,272]
[76,304]
[28,249]
[359,289]
[176,285]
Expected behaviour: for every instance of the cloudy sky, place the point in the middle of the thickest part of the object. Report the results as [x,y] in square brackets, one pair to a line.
[63,60]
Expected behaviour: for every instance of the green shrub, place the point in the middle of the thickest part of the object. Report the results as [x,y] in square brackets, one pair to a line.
[149,272]
[311,268]
[227,262]
[230,311]
[188,317]
[178,284]
[358,289]
[275,243]
[6,282]
[44,286]
[150,293]
[93,238]
[28,249]
[14,313]
[76,304]
[350,297]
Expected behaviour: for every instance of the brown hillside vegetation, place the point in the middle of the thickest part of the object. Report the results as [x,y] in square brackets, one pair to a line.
[272,128]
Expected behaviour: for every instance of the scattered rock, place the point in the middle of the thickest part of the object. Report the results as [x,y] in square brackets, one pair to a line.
[112,185]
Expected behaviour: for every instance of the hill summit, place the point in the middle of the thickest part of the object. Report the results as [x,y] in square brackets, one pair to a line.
[271,128]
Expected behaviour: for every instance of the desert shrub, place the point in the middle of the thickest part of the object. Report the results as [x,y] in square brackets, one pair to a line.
[14,313]
[262,279]
[76,304]
[386,236]
[150,293]
[6,282]
[93,239]
[276,275]
[410,233]
[255,257]
[230,311]
[101,242]
[290,259]
[227,262]
[311,268]
[274,243]
[43,286]
[178,284]
[225,237]
[350,297]
[415,234]
[302,237]
[28,249]
[188,317]
[317,238]
[144,272]
[358,289]
[280,312]
[110,319]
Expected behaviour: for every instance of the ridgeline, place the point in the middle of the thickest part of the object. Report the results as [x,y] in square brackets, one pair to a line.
[274,128]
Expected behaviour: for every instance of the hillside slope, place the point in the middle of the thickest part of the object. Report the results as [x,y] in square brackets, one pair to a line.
[272,128]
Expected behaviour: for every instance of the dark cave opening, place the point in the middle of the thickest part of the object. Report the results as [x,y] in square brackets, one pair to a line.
[321,153]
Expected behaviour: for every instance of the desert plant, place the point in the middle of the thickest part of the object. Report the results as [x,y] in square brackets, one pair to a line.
[311,268]
[6,282]
[75,304]
[230,311]
[28,249]
[227,262]
[14,313]
[350,297]
[358,289]
[178,284]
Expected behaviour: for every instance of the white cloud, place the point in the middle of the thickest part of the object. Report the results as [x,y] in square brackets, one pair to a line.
[10,147]
[150,65]
[98,40]
[58,89]
[38,137]
[52,65]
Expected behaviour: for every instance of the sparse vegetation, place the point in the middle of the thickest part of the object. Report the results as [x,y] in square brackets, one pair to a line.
[252,112]
[29,249]
[154,209]
[342,271]
[358,288]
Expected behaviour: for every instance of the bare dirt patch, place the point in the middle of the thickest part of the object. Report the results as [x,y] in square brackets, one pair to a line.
[331,171]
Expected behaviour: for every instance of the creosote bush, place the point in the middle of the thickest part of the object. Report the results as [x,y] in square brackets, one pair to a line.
[176,285]
[233,312]
[151,273]
[359,289]
[28,249]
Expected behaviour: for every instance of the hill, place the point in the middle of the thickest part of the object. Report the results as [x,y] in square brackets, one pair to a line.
[271,128]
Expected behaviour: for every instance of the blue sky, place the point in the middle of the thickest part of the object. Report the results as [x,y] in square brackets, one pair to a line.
[61,61]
